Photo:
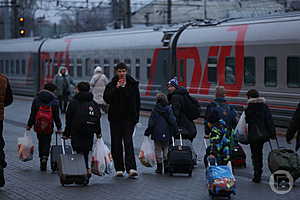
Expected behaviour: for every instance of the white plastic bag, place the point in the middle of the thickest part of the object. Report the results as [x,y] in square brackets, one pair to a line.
[241,130]
[98,165]
[25,147]
[108,160]
[147,154]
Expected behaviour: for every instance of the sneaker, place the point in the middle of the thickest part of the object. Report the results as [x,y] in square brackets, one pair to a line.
[256,179]
[119,174]
[2,181]
[132,173]
[43,165]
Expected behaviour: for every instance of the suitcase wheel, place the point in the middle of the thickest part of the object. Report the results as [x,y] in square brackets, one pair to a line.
[190,174]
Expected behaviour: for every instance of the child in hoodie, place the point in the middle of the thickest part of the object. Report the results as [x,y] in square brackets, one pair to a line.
[161,126]
[44,101]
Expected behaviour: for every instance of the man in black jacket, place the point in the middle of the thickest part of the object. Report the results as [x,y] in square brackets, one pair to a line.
[177,97]
[6,99]
[45,97]
[294,128]
[123,96]
[260,130]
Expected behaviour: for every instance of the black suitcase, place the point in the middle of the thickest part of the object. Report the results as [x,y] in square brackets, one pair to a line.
[55,152]
[238,157]
[180,159]
[72,168]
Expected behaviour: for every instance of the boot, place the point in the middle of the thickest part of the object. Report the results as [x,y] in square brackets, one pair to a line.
[2,181]
[43,164]
[257,177]
[166,168]
[159,168]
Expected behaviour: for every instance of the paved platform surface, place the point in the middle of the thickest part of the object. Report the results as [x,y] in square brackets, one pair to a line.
[25,181]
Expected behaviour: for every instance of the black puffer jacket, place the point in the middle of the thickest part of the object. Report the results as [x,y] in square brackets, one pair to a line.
[81,136]
[124,102]
[177,101]
[45,97]
[260,122]
[294,128]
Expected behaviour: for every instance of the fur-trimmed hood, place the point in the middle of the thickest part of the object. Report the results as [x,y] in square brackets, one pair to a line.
[257,100]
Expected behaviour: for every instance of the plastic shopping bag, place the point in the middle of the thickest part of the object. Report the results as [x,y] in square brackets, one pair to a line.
[108,160]
[241,130]
[147,154]
[98,165]
[25,147]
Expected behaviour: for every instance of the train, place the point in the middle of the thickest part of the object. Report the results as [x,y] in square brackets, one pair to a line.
[240,54]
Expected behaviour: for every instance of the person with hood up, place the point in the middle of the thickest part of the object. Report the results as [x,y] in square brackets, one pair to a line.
[82,122]
[294,129]
[47,98]
[63,81]
[98,83]
[260,129]
[123,96]
[161,126]
[176,98]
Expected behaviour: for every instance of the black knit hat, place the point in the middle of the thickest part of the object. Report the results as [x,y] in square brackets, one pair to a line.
[83,86]
[50,86]
[252,93]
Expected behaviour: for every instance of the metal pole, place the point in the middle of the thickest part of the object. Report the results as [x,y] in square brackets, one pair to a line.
[15,26]
[205,7]
[169,20]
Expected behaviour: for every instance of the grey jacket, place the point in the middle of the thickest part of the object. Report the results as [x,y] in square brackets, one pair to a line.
[59,82]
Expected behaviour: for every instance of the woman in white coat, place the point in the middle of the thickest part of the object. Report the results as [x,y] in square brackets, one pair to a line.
[98,83]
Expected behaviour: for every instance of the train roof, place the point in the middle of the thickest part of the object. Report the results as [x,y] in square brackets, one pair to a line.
[21,45]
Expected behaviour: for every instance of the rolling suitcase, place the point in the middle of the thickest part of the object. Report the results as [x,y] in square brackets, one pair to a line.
[238,157]
[55,152]
[72,168]
[180,158]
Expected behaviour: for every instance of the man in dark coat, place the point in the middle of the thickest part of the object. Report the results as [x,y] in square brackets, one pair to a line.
[6,99]
[260,130]
[123,96]
[45,97]
[83,121]
[176,98]
[226,111]
[294,128]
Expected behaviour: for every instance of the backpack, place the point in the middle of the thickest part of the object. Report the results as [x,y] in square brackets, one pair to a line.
[44,120]
[191,107]
[89,114]
[227,113]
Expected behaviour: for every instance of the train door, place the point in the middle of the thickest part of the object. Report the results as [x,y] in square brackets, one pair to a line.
[188,68]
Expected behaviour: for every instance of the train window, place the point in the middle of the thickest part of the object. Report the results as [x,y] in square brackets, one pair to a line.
[137,68]
[128,63]
[116,61]
[212,70]
[293,71]
[12,67]
[1,66]
[71,68]
[17,67]
[230,70]
[249,71]
[270,71]
[106,68]
[148,67]
[23,66]
[88,67]
[79,67]
[96,62]
[7,66]
[181,69]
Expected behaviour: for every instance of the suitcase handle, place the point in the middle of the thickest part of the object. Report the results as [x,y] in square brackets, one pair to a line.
[276,143]
[63,144]
[180,138]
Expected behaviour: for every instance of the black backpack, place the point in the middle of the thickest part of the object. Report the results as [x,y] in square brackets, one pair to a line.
[89,114]
[191,107]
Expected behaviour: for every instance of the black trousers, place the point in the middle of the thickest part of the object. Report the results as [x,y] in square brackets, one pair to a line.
[44,145]
[2,144]
[63,102]
[257,157]
[121,133]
